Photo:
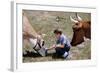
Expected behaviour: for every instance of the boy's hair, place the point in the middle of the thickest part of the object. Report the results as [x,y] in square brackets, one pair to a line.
[57,31]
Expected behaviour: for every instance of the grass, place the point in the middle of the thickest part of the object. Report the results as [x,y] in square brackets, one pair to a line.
[46,21]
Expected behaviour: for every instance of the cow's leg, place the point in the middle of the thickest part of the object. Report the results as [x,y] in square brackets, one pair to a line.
[25,45]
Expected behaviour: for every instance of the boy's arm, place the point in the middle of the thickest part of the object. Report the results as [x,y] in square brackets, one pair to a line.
[52,47]
[55,46]
[60,45]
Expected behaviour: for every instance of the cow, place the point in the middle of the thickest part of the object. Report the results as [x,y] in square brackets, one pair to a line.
[32,37]
[81,30]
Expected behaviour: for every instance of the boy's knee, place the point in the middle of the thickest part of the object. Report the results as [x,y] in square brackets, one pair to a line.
[67,49]
[59,51]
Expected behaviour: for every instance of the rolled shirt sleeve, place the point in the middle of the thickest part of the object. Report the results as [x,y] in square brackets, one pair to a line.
[63,40]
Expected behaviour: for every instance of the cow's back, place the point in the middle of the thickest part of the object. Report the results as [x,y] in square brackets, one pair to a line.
[27,27]
[87,29]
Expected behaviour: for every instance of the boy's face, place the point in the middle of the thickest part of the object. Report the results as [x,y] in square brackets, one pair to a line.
[57,36]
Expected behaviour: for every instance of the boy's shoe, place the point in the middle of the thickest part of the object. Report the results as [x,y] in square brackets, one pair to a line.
[69,56]
[66,57]
[66,54]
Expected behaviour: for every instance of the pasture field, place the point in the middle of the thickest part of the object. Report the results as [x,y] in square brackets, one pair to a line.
[45,22]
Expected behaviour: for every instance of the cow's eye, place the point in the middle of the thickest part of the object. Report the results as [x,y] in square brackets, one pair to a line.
[76,23]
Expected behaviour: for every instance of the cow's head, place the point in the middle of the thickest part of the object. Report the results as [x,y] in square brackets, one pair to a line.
[36,42]
[78,33]
[38,45]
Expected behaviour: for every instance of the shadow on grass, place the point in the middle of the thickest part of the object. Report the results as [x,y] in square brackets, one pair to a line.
[32,54]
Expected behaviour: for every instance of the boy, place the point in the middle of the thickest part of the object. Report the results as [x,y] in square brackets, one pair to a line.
[62,45]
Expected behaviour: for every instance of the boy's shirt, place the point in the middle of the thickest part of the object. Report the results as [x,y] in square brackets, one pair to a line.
[63,40]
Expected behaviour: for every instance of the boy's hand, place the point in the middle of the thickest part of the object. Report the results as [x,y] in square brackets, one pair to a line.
[53,46]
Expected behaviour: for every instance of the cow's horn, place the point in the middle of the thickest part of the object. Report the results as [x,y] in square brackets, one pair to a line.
[73,20]
[79,18]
